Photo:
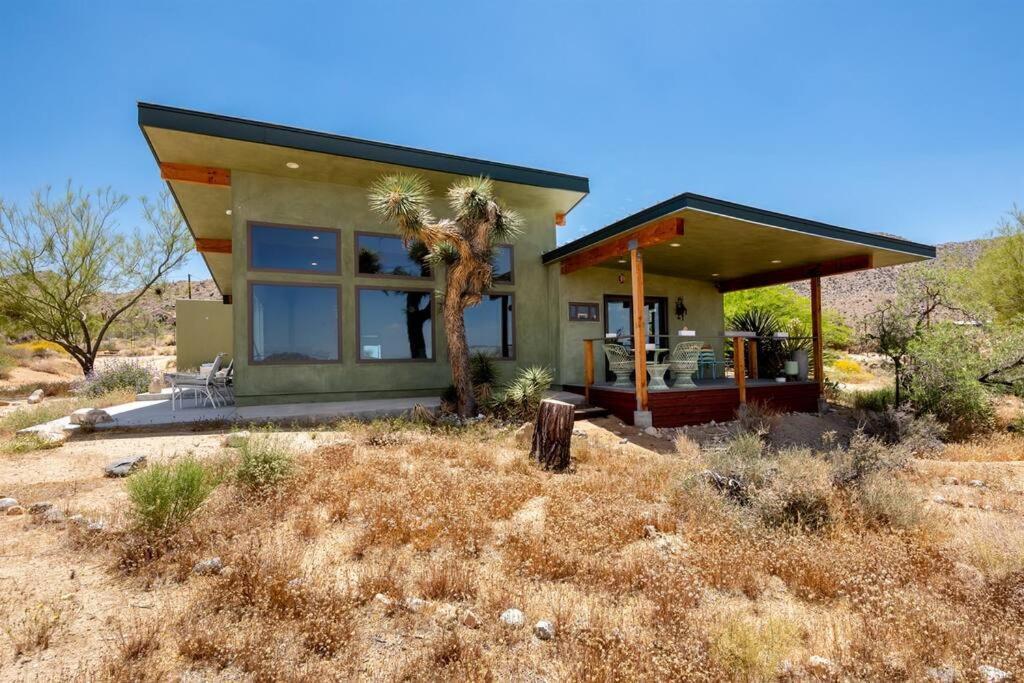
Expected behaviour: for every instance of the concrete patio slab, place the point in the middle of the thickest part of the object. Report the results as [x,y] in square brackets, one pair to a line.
[150,413]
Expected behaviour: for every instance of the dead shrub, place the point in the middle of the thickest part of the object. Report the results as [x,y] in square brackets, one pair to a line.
[450,579]
[798,493]
[864,456]
[539,556]
[34,628]
[885,499]
[449,658]
[383,577]
[134,645]
[756,417]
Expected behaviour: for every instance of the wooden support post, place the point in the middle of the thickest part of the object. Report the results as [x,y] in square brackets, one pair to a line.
[552,434]
[588,367]
[819,357]
[739,366]
[753,358]
[636,264]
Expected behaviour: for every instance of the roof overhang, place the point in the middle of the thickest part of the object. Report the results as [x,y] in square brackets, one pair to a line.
[733,245]
[197,152]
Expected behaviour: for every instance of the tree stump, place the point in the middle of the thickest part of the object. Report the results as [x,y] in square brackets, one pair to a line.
[552,435]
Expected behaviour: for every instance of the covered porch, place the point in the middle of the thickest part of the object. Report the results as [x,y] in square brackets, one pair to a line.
[650,369]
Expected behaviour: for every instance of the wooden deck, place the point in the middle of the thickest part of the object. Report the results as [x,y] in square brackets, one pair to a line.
[711,400]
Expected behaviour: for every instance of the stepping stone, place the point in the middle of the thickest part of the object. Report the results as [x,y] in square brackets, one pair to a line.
[124,467]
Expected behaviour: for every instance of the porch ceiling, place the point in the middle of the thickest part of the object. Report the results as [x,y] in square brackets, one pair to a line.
[740,246]
[198,139]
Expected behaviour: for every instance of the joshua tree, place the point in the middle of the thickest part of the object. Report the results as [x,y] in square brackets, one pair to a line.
[463,243]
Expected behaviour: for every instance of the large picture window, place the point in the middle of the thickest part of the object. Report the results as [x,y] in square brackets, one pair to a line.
[387,255]
[294,323]
[489,326]
[396,324]
[293,249]
[503,264]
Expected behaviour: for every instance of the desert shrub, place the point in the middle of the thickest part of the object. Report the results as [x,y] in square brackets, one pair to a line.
[877,400]
[118,375]
[742,458]
[864,456]
[848,366]
[756,417]
[165,496]
[919,434]
[798,493]
[520,398]
[265,460]
[886,499]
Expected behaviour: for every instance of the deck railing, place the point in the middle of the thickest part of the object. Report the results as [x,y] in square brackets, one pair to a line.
[743,353]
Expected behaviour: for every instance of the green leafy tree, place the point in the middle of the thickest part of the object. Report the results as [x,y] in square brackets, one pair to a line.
[463,243]
[66,272]
[791,310]
[999,274]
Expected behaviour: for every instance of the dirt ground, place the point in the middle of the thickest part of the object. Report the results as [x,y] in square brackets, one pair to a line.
[41,569]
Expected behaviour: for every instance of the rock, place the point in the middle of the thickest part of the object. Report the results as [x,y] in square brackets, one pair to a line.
[544,630]
[15,510]
[652,431]
[513,617]
[623,442]
[991,674]
[39,508]
[53,436]
[650,531]
[383,599]
[54,516]
[579,433]
[820,665]
[524,435]
[236,439]
[35,397]
[941,674]
[470,620]
[97,526]
[124,466]
[90,417]
[976,483]
[208,567]
[414,604]
[6,503]
[950,481]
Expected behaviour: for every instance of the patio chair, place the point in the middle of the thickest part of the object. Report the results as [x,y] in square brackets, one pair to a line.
[223,383]
[708,360]
[683,363]
[621,362]
[200,384]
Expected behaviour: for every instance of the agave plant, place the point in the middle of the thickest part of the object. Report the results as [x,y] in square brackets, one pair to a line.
[464,243]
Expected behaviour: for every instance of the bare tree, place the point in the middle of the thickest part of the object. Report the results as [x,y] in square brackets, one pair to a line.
[463,243]
[67,273]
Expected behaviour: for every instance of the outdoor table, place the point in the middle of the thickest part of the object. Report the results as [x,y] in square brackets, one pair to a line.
[656,371]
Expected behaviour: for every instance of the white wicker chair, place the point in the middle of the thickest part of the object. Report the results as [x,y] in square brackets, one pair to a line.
[683,363]
[621,362]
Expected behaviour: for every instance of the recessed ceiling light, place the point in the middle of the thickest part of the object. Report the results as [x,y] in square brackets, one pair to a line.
[316,237]
[714,274]
[775,260]
[314,263]
[292,164]
[622,260]
[228,212]
[674,244]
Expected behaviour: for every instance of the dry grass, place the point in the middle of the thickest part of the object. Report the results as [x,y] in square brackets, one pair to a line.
[994,447]
[647,571]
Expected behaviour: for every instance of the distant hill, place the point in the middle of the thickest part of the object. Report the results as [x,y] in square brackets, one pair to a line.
[854,295]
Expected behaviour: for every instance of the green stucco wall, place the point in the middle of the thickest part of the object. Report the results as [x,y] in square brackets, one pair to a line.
[273,199]
[703,303]
[202,330]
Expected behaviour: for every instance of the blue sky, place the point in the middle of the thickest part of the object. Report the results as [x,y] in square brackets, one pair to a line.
[903,117]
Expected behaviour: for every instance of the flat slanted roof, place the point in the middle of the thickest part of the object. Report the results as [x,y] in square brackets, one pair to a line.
[735,245]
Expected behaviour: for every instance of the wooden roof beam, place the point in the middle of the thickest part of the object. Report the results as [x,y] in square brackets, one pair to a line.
[847,264]
[206,245]
[187,173]
[661,231]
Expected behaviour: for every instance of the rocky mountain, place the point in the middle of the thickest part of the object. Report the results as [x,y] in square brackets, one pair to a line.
[854,295]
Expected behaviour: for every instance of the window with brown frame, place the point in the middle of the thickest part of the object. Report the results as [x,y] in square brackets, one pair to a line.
[378,254]
[294,323]
[584,312]
[294,249]
[395,324]
[490,326]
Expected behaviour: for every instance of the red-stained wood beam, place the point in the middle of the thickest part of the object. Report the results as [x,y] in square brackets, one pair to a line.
[847,264]
[208,245]
[655,233]
[187,173]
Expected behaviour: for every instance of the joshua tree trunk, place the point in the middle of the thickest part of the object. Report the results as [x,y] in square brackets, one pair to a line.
[458,355]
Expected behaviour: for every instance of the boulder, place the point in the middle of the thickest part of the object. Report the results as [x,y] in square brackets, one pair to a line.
[941,674]
[39,508]
[7,503]
[124,466]
[513,617]
[54,516]
[470,620]
[991,674]
[52,437]
[15,510]
[544,630]
[90,417]
[209,566]
[652,431]
[35,397]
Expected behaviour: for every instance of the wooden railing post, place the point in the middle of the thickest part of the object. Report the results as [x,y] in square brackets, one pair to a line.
[753,359]
[819,357]
[588,367]
[639,325]
[739,344]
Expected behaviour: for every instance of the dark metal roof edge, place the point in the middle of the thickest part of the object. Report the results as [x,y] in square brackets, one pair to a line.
[689,200]
[245,130]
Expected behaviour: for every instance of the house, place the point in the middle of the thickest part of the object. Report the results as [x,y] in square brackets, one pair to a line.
[323,302]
